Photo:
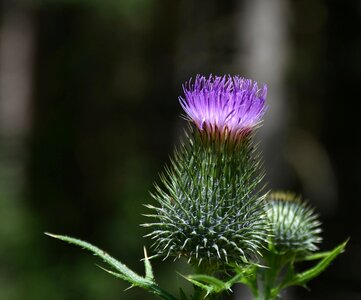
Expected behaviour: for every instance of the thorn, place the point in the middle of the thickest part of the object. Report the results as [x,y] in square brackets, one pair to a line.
[128,288]
[145,253]
[51,235]
[225,255]
[185,243]
[151,257]
[216,247]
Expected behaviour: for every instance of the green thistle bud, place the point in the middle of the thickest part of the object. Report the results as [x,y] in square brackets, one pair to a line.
[296,227]
[210,208]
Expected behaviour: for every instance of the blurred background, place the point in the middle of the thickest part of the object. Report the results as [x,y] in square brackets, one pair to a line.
[89,115]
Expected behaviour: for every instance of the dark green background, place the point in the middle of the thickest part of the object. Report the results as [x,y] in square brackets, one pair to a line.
[105,116]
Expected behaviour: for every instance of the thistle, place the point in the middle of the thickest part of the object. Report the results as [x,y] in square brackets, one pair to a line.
[210,207]
[295,225]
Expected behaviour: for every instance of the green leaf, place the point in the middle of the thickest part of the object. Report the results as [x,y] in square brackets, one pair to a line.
[208,289]
[122,269]
[304,277]
[216,284]
[123,272]
[315,256]
[148,267]
[115,274]
[247,275]
[212,284]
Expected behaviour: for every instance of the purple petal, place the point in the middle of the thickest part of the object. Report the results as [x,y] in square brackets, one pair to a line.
[221,102]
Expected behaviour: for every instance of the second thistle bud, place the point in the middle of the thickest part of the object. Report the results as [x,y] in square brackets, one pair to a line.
[295,225]
[210,207]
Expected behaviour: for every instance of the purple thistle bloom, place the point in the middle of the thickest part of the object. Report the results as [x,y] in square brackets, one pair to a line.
[231,106]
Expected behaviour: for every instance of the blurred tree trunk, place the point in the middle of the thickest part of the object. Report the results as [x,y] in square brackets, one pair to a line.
[17,34]
[262,36]
[262,48]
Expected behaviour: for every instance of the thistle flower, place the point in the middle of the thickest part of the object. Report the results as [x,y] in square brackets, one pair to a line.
[296,227]
[231,105]
[211,209]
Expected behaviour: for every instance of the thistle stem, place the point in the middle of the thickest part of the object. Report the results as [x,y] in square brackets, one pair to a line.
[161,293]
[200,294]
[267,278]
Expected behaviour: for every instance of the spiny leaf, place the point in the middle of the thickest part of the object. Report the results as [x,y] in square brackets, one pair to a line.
[148,267]
[314,256]
[216,284]
[247,275]
[115,274]
[123,272]
[208,289]
[304,277]
[212,284]
[122,269]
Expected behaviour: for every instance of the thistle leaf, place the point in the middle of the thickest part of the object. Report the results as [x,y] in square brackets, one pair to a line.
[115,274]
[122,271]
[216,284]
[247,275]
[315,256]
[148,267]
[212,284]
[207,288]
[304,277]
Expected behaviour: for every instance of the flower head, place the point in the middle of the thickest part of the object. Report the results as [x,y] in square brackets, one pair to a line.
[211,206]
[229,105]
[296,227]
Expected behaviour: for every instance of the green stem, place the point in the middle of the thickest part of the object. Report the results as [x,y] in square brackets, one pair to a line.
[267,280]
[201,294]
[161,293]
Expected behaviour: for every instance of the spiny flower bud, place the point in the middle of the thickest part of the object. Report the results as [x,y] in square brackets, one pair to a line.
[210,206]
[296,227]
